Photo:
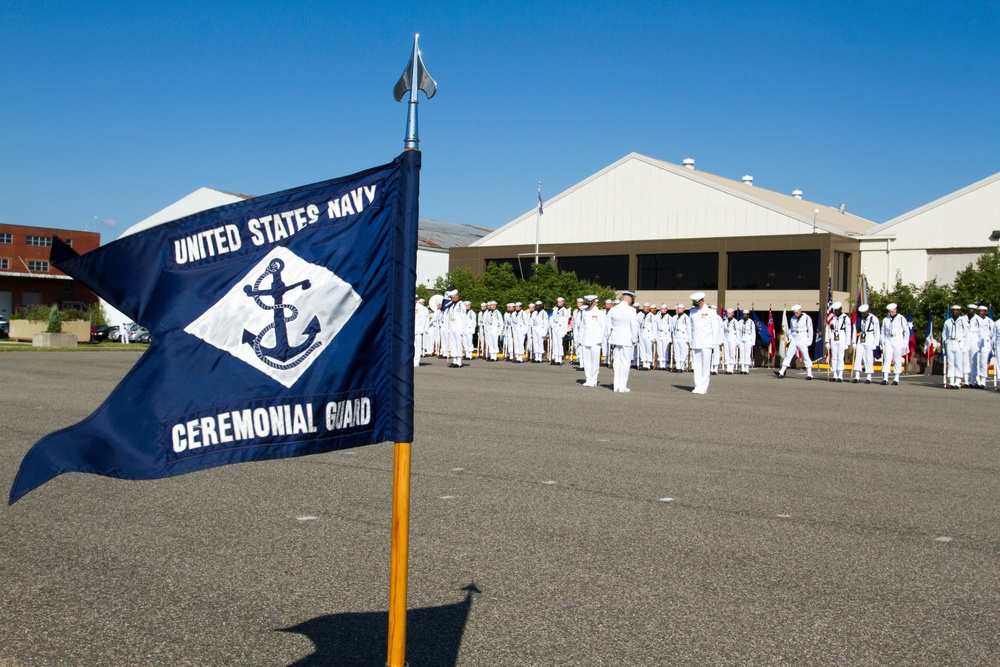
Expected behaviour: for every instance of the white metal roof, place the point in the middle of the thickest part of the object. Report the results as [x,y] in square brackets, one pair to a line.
[640,198]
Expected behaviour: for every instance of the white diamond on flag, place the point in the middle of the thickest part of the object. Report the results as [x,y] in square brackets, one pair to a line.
[280,317]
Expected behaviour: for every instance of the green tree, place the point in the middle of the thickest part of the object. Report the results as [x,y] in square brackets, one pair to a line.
[980,283]
[97,314]
[55,321]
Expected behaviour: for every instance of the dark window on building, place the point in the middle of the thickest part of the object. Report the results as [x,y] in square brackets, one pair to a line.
[524,267]
[6,238]
[607,270]
[679,271]
[774,269]
[841,271]
[4,263]
[37,266]
[41,241]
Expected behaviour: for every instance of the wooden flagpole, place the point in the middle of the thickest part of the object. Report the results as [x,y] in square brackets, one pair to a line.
[399,555]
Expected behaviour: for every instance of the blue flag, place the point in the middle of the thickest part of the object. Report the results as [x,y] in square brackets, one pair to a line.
[282,326]
[762,333]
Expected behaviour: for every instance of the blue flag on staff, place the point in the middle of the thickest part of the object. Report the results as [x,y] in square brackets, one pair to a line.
[762,333]
[281,325]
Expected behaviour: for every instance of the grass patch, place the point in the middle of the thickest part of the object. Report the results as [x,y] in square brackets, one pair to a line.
[9,346]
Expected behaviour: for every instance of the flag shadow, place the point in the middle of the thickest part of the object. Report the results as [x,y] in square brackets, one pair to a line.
[433,636]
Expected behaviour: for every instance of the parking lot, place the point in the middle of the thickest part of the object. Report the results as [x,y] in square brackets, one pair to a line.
[766,523]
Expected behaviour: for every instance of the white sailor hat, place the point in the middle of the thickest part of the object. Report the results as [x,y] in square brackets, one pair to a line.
[484,304]
[983,307]
[617,301]
[697,296]
[590,297]
[731,311]
[491,303]
[971,305]
[796,307]
[467,303]
[956,307]
[559,298]
[538,303]
[518,303]
[746,312]
[628,293]
[836,305]
[421,300]
[645,305]
[680,305]
[510,305]
[664,306]
[864,308]
[892,306]
[609,301]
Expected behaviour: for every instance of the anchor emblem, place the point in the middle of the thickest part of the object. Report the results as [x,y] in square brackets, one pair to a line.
[281,352]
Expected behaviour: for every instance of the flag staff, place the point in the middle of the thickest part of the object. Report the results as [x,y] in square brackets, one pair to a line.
[538,220]
[414,79]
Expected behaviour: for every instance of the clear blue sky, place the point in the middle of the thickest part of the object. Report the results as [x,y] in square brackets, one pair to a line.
[117,109]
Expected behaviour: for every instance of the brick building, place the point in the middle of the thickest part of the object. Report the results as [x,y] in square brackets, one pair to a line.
[27,277]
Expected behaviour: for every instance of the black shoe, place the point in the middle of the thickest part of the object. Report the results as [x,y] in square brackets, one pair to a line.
[809,377]
[839,380]
[778,375]
[854,381]
[885,382]
[895,382]
[833,379]
[868,381]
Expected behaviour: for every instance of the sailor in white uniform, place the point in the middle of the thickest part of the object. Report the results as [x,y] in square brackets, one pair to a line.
[606,348]
[972,326]
[800,335]
[982,368]
[682,339]
[558,326]
[519,329]
[748,339]
[593,324]
[456,320]
[731,340]
[420,324]
[492,326]
[955,334]
[539,331]
[705,332]
[576,330]
[838,336]
[664,322]
[647,336]
[623,334]
[895,343]
[866,340]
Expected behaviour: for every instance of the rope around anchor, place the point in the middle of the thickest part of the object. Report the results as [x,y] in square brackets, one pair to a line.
[275,266]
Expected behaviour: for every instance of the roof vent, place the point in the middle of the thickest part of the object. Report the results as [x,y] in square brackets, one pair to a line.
[688,162]
[843,207]
[797,194]
[748,180]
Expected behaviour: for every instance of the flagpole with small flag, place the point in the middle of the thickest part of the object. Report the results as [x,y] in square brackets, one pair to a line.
[414,79]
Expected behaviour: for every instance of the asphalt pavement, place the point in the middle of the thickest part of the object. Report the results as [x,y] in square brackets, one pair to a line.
[766,523]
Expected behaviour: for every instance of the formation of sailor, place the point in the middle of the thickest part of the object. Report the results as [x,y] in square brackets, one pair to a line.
[657,338]
[800,336]
[839,336]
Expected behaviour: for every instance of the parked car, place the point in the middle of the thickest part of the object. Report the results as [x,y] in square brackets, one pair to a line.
[136,333]
[99,333]
[144,338]
[113,334]
[4,329]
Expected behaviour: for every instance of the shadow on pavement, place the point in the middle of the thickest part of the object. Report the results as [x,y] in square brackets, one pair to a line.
[433,636]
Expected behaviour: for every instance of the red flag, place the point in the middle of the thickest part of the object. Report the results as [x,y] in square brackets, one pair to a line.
[772,348]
